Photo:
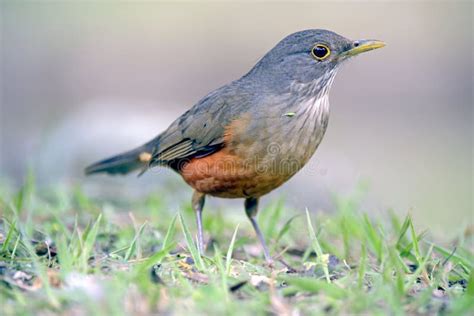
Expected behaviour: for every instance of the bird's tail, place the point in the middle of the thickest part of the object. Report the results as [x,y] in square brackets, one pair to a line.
[129,161]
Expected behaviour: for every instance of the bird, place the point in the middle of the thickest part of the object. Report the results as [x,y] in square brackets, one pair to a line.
[250,136]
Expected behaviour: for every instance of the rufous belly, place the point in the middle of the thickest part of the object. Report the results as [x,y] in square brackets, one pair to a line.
[226,175]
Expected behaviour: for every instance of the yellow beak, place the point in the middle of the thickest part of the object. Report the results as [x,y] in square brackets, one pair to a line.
[363,46]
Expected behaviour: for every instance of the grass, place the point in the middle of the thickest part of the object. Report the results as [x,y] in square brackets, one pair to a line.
[61,252]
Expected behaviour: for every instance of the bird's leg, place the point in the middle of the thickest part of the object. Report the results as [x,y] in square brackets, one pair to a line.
[251,208]
[198,204]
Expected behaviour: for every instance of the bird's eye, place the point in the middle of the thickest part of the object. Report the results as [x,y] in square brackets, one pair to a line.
[320,51]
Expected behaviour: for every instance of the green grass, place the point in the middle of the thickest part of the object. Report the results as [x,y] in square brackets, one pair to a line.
[61,252]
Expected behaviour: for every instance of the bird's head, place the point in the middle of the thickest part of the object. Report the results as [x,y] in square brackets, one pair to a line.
[306,56]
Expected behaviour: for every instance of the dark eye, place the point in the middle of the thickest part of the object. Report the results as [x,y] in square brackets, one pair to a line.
[320,51]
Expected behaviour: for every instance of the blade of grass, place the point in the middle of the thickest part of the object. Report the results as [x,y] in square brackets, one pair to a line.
[407,251]
[416,246]
[88,243]
[65,259]
[286,227]
[15,247]
[220,267]
[316,286]
[454,257]
[470,285]
[373,238]
[11,229]
[317,248]
[230,250]
[170,233]
[399,267]
[362,266]
[191,245]
[133,245]
[403,230]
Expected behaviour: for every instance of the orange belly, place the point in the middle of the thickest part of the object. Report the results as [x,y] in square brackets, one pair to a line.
[223,174]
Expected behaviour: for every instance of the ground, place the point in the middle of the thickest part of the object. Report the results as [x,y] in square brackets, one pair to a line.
[62,252]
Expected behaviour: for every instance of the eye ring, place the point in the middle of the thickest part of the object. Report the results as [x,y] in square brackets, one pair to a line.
[320,51]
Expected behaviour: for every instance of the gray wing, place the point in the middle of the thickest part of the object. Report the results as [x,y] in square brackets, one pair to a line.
[200,131]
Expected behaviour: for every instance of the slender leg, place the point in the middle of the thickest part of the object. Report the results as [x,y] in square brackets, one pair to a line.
[251,208]
[198,204]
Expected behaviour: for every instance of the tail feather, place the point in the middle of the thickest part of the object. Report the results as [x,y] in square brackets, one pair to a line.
[123,163]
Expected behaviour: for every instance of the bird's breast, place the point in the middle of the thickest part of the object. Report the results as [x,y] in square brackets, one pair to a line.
[260,153]
[283,141]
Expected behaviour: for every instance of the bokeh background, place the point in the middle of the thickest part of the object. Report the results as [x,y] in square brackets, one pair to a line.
[84,80]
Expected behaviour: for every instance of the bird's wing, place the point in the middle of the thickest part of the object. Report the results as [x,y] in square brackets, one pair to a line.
[200,131]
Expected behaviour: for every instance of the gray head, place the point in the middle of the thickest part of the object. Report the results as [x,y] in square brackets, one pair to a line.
[306,56]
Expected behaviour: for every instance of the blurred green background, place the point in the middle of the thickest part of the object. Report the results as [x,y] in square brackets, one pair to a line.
[84,80]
